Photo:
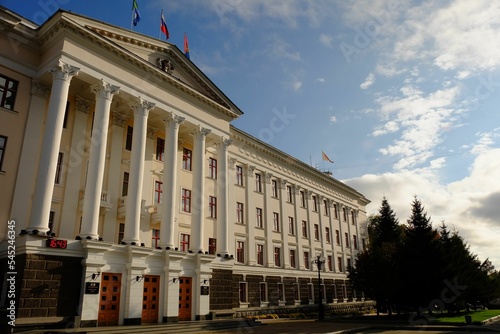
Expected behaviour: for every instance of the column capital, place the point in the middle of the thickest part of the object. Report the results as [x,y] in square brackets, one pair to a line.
[268,176]
[63,71]
[232,163]
[40,89]
[250,170]
[174,120]
[83,104]
[201,131]
[142,106]
[283,183]
[224,143]
[105,90]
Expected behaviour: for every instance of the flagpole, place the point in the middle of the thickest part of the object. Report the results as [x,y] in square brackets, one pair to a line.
[159,34]
[132,20]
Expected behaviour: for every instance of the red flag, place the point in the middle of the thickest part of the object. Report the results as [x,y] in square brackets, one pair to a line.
[186,46]
[163,26]
[325,157]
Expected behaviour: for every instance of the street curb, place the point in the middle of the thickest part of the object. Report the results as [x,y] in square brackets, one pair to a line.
[418,328]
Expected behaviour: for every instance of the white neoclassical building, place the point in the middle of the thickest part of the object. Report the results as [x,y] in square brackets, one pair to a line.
[132,198]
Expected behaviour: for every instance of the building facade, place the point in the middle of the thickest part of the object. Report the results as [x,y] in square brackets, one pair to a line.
[130,198]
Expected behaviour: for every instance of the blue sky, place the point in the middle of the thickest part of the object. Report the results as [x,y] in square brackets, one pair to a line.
[402,95]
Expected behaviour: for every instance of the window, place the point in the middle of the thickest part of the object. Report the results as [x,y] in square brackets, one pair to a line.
[187,156]
[293,261]
[337,237]
[274,187]
[65,120]
[289,194]
[125,183]
[212,245]
[353,217]
[243,292]
[185,238]
[355,242]
[212,168]
[239,175]
[291,226]
[315,203]
[335,212]
[344,214]
[258,183]
[128,141]
[160,148]
[306,260]
[325,205]
[155,236]
[281,291]
[239,213]
[186,200]
[8,91]
[3,145]
[310,291]
[316,232]
[302,199]
[276,222]
[59,167]
[296,291]
[329,262]
[327,234]
[260,254]
[339,263]
[121,232]
[258,222]
[52,215]
[263,291]
[304,229]
[240,251]
[212,206]
[277,256]
[158,191]
[347,240]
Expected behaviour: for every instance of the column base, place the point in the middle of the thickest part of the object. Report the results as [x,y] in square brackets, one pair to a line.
[132,242]
[88,237]
[42,231]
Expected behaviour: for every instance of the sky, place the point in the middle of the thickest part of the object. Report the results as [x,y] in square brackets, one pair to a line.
[402,95]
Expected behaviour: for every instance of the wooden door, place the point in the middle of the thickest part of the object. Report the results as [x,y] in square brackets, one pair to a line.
[109,304]
[150,298]
[185,298]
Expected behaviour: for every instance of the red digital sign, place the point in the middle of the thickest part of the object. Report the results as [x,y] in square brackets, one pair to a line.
[55,243]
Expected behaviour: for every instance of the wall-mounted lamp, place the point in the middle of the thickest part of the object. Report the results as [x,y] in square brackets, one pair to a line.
[95,276]
[174,279]
[139,278]
[205,281]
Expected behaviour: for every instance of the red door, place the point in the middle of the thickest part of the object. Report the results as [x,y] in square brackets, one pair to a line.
[185,300]
[150,299]
[109,304]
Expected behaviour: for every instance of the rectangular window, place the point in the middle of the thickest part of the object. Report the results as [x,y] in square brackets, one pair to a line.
[327,234]
[310,291]
[304,229]
[3,146]
[315,203]
[281,291]
[316,232]
[239,175]
[263,291]
[187,156]
[160,148]
[128,140]
[212,168]
[277,256]
[337,237]
[258,183]
[344,214]
[260,254]
[306,260]
[276,222]
[296,291]
[293,260]
[212,206]
[325,205]
[258,221]
[185,239]
[353,217]
[243,292]
[239,213]
[52,216]
[289,194]
[121,232]
[8,91]
[240,251]
[339,264]
[329,262]
[59,168]
[355,242]
[186,200]
[291,226]
[347,240]
[274,187]
[302,199]
[125,183]
[335,212]
[158,191]
[155,236]
[212,245]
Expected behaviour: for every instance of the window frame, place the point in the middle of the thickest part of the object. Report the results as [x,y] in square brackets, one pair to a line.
[4,90]
[240,251]
[160,148]
[155,238]
[184,242]
[277,256]
[187,159]
[293,258]
[240,213]
[260,254]
[212,168]
[289,194]
[128,138]
[258,182]
[58,177]
[212,207]
[276,222]
[158,192]
[239,176]
[3,149]
[186,195]
[274,188]
[291,225]
[259,221]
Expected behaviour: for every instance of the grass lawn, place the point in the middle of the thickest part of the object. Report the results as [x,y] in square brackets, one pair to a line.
[476,316]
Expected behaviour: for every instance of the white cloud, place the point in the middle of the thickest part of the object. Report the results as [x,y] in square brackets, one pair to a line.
[370,79]
[333,119]
[320,80]
[326,40]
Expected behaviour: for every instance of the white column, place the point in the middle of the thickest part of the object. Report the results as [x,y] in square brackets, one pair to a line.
[92,196]
[268,216]
[198,193]
[44,187]
[222,198]
[299,255]
[134,198]
[168,224]
[284,225]
[250,213]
